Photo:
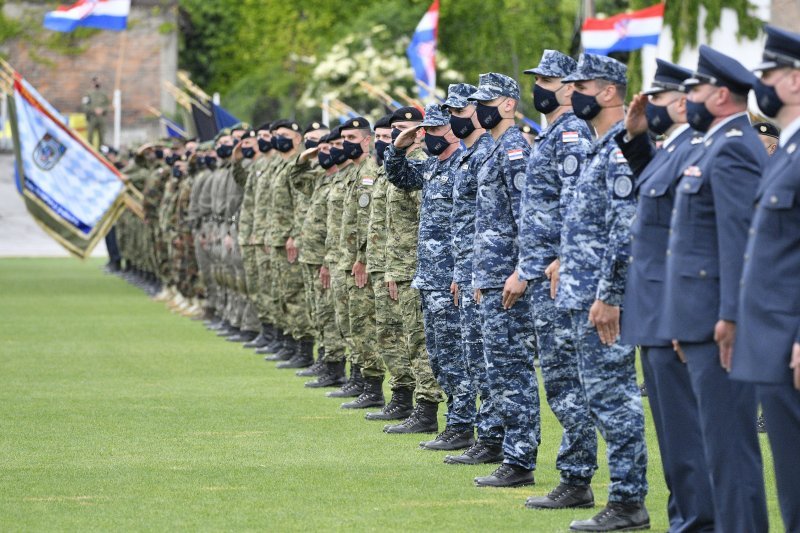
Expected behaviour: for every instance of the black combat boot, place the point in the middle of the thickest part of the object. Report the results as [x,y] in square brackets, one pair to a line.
[399,407]
[260,340]
[230,332]
[332,376]
[243,336]
[275,345]
[286,351]
[303,356]
[422,420]
[371,397]
[616,516]
[353,388]
[479,453]
[317,369]
[564,497]
[506,475]
[450,439]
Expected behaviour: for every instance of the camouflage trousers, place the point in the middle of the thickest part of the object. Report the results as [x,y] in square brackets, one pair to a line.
[264,291]
[204,265]
[608,378]
[341,307]
[411,311]
[446,355]
[361,308]
[507,339]
[184,266]
[229,254]
[577,455]
[160,254]
[248,286]
[320,302]
[486,418]
[390,342]
[291,295]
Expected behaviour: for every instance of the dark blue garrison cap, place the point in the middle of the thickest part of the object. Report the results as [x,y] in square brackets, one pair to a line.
[669,77]
[781,50]
[723,71]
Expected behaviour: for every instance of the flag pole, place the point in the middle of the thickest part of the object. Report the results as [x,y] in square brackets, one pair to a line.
[123,41]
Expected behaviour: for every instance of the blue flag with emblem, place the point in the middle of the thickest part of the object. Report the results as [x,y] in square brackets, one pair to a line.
[71,191]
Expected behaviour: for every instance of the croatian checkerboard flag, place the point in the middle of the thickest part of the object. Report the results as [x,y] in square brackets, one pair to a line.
[72,192]
[99,14]
[624,32]
[421,51]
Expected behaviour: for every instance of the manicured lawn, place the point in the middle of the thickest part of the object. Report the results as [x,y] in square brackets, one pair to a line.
[118,415]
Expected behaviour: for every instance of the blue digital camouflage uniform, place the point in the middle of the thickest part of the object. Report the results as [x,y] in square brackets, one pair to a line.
[508,334]
[435,268]
[595,237]
[462,222]
[557,156]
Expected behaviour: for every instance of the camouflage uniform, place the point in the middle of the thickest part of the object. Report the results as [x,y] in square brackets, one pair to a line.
[195,219]
[202,215]
[402,223]
[352,248]
[267,307]
[557,157]
[594,254]
[241,258]
[336,196]
[167,229]
[153,191]
[435,271]
[218,230]
[389,340]
[185,259]
[462,223]
[131,230]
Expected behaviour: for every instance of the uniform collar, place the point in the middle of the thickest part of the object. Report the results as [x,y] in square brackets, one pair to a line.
[726,120]
[674,135]
[788,132]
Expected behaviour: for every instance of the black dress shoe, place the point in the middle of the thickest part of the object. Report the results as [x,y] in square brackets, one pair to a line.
[479,453]
[616,516]
[506,476]
[450,439]
[564,497]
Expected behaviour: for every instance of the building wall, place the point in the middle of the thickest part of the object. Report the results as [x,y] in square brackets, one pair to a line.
[148,52]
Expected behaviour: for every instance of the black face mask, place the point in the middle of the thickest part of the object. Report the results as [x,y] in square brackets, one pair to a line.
[283,144]
[159,153]
[264,145]
[436,144]
[658,119]
[698,116]
[274,141]
[380,149]
[462,126]
[211,161]
[338,155]
[352,150]
[767,99]
[248,152]
[177,172]
[224,151]
[488,116]
[585,105]
[325,160]
[311,144]
[170,159]
[544,100]
[395,134]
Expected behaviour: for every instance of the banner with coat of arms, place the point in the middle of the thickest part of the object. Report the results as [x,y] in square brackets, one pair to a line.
[71,191]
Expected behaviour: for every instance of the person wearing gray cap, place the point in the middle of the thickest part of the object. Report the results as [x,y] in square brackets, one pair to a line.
[555,163]
[595,237]
[705,257]
[506,318]
[767,351]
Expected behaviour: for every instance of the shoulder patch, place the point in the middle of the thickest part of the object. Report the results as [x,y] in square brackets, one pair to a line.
[570,164]
[570,137]
[696,140]
[734,132]
[619,157]
[515,153]
[519,181]
[791,148]
[367,180]
[363,200]
[623,186]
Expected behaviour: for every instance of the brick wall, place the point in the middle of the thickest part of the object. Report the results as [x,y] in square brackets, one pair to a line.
[150,56]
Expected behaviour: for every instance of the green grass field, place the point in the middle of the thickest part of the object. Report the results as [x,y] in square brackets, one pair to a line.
[117,415]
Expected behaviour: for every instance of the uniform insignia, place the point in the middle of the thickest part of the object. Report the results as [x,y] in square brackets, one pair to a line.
[619,157]
[48,152]
[623,186]
[570,137]
[791,148]
[693,171]
[427,176]
[516,153]
[408,115]
[367,181]
[734,132]
[671,149]
[315,125]
[295,127]
[696,140]
[356,123]
[570,164]
[465,167]
[363,200]
[708,142]
[443,178]
[763,128]
[519,181]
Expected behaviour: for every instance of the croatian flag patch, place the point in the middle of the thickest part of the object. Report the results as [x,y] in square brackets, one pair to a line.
[515,154]
[569,137]
[619,157]
[367,181]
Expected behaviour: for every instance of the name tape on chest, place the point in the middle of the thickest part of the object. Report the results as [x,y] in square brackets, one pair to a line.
[515,154]
[570,137]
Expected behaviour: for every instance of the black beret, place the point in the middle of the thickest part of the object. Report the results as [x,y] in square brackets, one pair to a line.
[384,122]
[357,123]
[267,126]
[314,126]
[406,113]
[765,128]
[285,123]
[336,133]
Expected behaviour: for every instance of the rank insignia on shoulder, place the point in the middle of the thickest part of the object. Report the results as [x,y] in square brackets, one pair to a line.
[693,171]
[619,157]
[367,181]
[734,132]
[708,142]
[570,137]
[671,149]
[791,148]
[427,176]
[515,154]
[696,140]
[465,166]
[623,186]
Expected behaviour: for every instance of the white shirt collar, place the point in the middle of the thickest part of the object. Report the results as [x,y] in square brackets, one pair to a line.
[788,132]
[674,135]
[717,127]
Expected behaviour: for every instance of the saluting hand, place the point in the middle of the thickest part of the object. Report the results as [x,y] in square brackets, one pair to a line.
[308,154]
[724,335]
[605,318]
[795,364]
[636,120]
[406,138]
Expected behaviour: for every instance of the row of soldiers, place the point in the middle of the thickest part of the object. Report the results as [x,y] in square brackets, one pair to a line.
[445,251]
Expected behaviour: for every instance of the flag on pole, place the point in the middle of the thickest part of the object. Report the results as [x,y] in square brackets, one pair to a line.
[421,51]
[223,117]
[99,14]
[71,191]
[623,33]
